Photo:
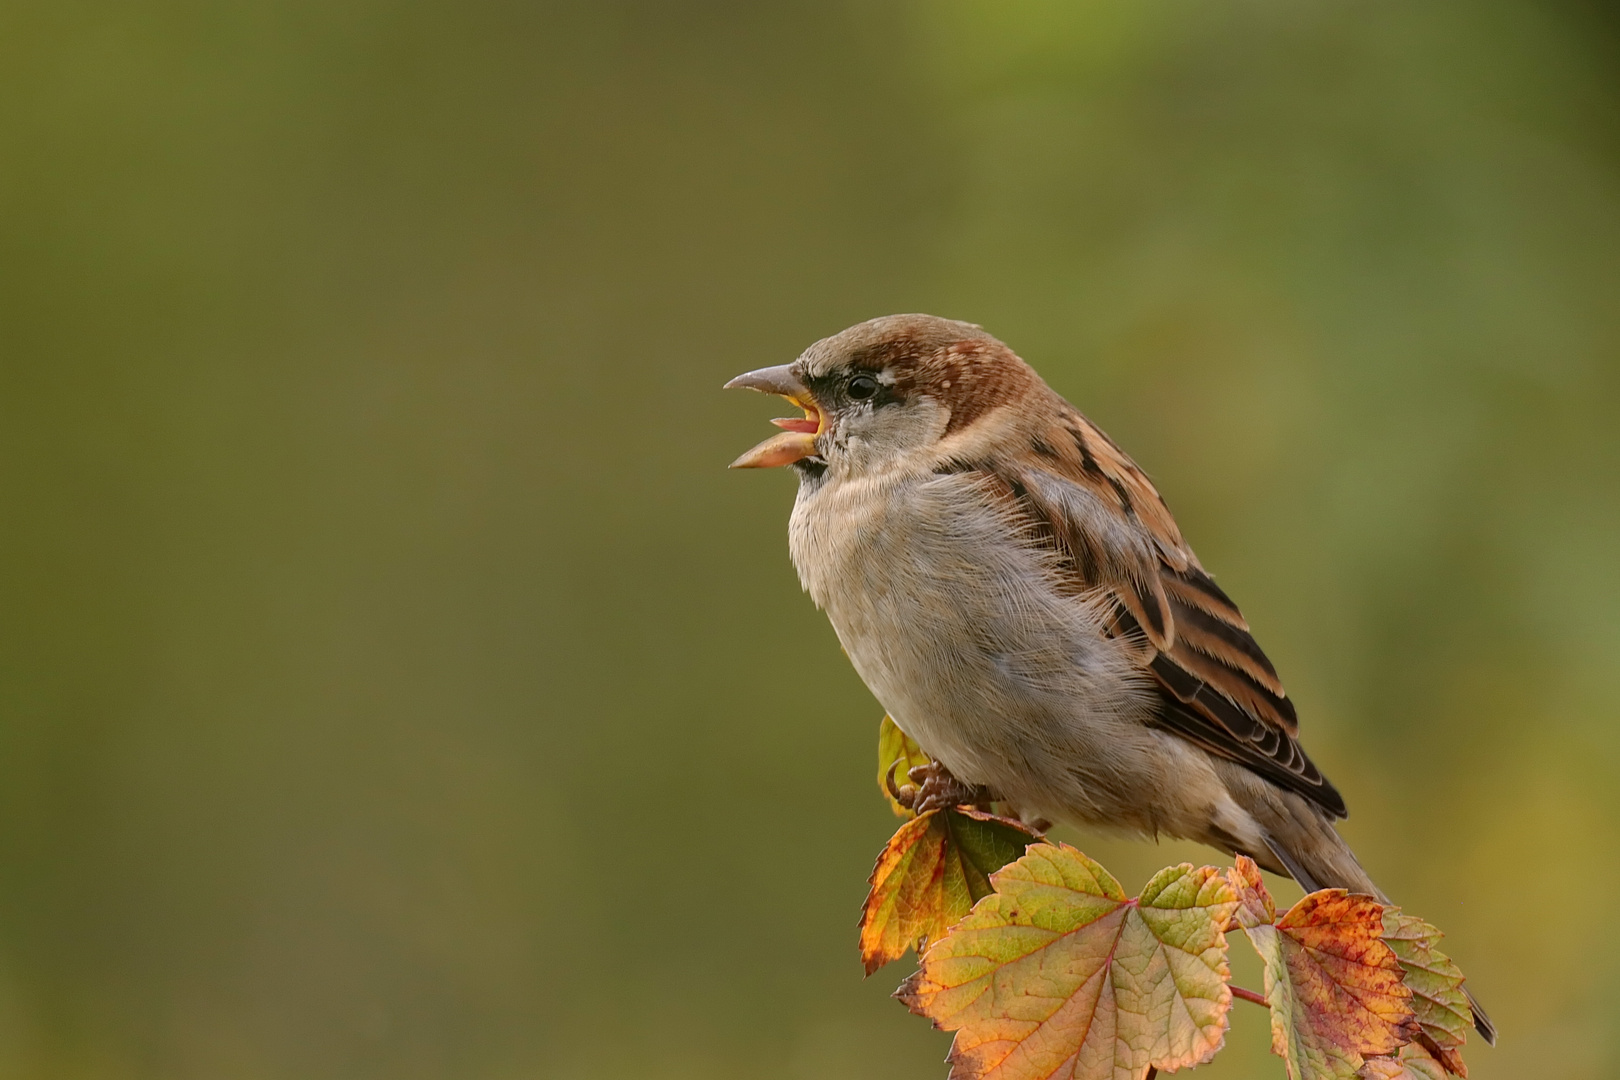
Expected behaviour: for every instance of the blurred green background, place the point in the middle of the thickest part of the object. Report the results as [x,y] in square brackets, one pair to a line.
[393,681]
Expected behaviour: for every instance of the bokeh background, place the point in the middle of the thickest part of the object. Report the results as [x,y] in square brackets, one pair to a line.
[393,681]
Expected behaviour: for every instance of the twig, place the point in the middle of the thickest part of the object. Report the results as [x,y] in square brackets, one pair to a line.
[1250,995]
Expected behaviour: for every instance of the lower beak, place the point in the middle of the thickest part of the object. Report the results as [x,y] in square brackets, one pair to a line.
[798,441]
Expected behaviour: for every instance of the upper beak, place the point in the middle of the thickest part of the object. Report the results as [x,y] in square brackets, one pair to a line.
[799,440]
[778,380]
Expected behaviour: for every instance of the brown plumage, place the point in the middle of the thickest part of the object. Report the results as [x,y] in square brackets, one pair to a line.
[1013,589]
[1219,688]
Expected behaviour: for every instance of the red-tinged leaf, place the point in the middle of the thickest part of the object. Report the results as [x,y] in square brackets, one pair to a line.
[1334,985]
[898,754]
[1436,985]
[1411,1062]
[1058,974]
[1254,904]
[932,871]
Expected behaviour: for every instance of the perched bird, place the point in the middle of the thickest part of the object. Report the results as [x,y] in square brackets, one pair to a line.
[1016,594]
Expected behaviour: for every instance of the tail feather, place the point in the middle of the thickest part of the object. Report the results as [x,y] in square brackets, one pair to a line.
[1482,1023]
[1295,869]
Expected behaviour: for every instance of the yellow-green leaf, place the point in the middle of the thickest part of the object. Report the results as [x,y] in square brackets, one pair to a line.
[1334,985]
[1058,973]
[929,875]
[898,754]
[1436,985]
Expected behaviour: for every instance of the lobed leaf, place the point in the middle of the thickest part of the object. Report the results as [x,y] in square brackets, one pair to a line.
[1334,985]
[898,753]
[1058,973]
[929,876]
[1436,984]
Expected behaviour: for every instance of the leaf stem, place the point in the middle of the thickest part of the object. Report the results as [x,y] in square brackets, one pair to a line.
[1250,995]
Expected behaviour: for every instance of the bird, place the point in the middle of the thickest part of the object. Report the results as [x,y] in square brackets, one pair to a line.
[1016,594]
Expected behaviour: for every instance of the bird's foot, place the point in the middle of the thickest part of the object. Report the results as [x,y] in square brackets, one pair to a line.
[933,787]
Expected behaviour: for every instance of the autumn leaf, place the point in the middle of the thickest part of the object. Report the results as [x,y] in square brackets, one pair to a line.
[1334,985]
[929,875]
[1436,985]
[898,754]
[1058,973]
[1412,1062]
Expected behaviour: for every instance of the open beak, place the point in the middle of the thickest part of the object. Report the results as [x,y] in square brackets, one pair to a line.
[798,438]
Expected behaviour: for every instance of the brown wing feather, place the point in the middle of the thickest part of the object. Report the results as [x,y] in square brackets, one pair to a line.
[1218,688]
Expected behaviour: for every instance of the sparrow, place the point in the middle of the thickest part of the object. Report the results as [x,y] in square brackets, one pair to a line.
[1013,590]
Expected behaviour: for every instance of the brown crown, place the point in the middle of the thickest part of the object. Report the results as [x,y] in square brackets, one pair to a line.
[956,363]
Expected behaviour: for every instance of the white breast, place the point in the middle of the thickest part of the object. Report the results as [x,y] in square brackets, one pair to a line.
[951,617]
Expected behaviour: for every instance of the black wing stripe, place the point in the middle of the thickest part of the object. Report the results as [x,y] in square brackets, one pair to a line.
[1227,633]
[1206,585]
[1199,713]
[1196,655]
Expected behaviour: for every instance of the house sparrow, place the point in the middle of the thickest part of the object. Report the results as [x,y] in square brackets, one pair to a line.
[1016,594]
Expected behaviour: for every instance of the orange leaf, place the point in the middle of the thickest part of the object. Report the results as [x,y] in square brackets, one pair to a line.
[929,875]
[1334,985]
[1059,974]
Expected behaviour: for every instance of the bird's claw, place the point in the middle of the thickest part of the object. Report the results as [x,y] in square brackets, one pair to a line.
[933,787]
[904,794]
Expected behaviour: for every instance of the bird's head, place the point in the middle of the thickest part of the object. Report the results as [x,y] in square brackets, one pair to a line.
[889,389]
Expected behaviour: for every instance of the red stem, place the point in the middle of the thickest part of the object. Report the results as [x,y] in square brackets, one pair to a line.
[1250,995]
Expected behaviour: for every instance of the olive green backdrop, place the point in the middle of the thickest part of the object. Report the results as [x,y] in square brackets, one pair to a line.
[394,683]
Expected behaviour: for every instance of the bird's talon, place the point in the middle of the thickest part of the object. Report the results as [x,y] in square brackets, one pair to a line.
[937,789]
[888,782]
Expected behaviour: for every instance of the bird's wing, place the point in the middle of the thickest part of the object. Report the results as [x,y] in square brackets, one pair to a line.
[1100,511]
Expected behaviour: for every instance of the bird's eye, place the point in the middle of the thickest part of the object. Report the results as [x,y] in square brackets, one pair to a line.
[862,386]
